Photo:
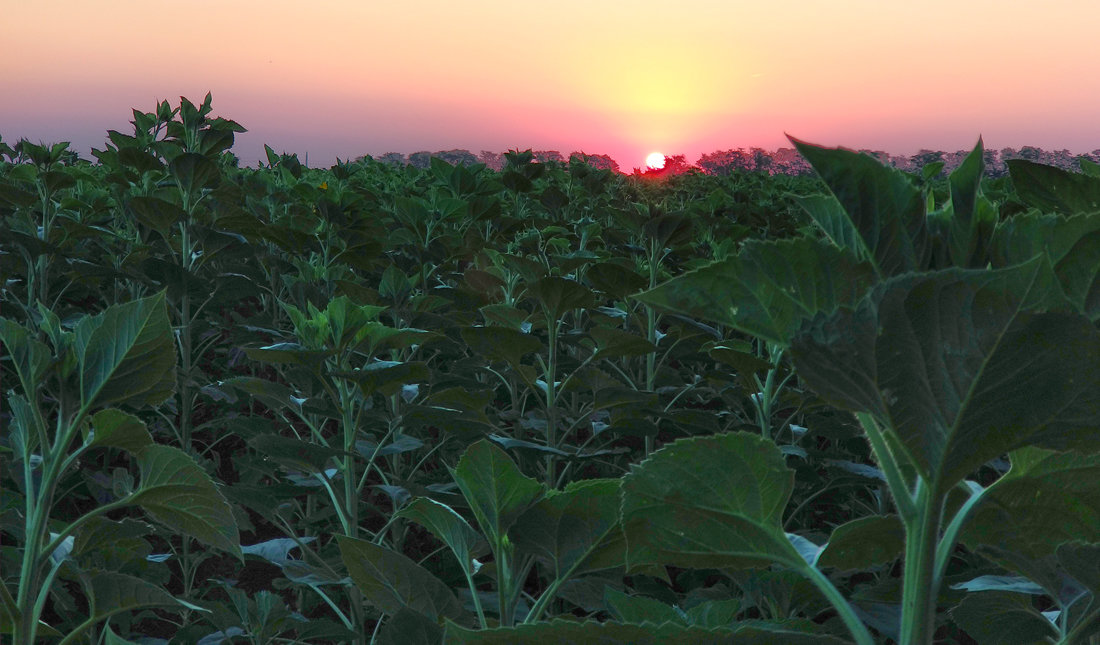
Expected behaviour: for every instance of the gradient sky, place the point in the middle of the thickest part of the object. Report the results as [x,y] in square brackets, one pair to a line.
[345,78]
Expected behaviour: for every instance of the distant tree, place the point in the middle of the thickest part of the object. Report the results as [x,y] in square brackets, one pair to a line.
[1031,153]
[394,158]
[723,162]
[596,161]
[493,160]
[422,159]
[761,160]
[543,156]
[457,157]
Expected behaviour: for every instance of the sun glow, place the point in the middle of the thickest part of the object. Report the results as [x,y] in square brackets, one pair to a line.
[655,160]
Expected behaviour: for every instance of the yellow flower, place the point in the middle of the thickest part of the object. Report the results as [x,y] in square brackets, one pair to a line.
[324,185]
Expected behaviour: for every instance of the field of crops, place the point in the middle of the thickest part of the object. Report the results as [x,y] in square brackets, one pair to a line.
[547,404]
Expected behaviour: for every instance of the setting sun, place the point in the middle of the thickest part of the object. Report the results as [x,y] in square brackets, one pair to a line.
[655,160]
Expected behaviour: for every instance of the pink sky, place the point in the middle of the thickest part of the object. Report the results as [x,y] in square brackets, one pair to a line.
[346,78]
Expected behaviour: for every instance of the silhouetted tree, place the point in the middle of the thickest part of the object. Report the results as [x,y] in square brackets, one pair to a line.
[596,161]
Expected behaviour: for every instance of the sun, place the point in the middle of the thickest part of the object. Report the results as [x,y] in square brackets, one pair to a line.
[655,160]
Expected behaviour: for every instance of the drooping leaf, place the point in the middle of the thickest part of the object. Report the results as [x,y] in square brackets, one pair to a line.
[111,593]
[614,343]
[498,493]
[276,550]
[709,502]
[387,377]
[996,617]
[449,527]
[391,581]
[769,288]
[127,354]
[959,367]
[564,528]
[883,204]
[1045,500]
[1053,190]
[863,543]
[178,493]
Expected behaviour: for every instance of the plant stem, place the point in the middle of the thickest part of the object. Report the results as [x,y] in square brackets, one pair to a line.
[919,593]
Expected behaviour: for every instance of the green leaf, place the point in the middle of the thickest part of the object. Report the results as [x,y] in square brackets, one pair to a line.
[593,633]
[409,627]
[831,218]
[614,343]
[498,493]
[637,610]
[864,543]
[117,429]
[193,172]
[156,213]
[1071,243]
[503,343]
[1082,561]
[449,527]
[566,526]
[709,502]
[768,288]
[1003,618]
[391,581]
[616,280]
[883,204]
[559,295]
[127,354]
[111,638]
[1052,189]
[175,491]
[958,368]
[1046,499]
[30,356]
[295,453]
[111,593]
[387,377]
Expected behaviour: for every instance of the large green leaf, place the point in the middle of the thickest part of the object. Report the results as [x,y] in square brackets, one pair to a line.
[1052,189]
[111,593]
[863,543]
[1046,499]
[451,528]
[1072,244]
[117,429]
[565,527]
[709,502]
[178,493]
[392,582]
[559,295]
[883,204]
[127,354]
[593,633]
[958,366]
[498,493]
[408,627]
[1003,618]
[769,288]
[500,342]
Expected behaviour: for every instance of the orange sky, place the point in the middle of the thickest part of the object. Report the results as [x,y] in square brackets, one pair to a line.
[345,78]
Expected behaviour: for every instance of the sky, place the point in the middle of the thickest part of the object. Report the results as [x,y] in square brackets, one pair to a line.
[343,78]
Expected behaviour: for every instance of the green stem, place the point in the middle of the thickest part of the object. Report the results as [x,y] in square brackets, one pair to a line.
[918,608]
[836,599]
